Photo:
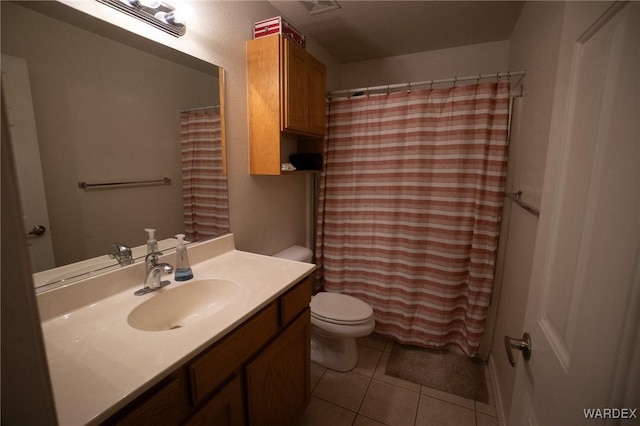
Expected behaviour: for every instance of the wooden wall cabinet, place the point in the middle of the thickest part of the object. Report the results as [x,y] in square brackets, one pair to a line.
[286,102]
[259,374]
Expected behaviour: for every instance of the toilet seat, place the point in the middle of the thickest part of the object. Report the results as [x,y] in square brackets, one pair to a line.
[336,308]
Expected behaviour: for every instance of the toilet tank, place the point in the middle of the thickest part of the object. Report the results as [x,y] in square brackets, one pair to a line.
[298,253]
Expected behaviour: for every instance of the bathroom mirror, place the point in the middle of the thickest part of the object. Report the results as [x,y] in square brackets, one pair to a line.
[107,106]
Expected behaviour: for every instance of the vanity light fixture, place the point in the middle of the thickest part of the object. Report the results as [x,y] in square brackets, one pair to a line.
[154,12]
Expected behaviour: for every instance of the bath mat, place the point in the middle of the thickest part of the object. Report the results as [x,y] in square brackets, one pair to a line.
[439,369]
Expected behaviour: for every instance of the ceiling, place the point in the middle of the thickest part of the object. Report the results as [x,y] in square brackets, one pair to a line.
[362,30]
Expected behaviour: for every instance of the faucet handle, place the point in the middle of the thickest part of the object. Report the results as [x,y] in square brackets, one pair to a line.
[123,254]
[152,257]
[122,248]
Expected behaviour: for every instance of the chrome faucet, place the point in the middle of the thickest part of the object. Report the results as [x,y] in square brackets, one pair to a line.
[122,255]
[153,274]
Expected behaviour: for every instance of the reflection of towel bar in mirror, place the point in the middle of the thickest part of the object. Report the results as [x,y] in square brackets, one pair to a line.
[123,184]
[517,197]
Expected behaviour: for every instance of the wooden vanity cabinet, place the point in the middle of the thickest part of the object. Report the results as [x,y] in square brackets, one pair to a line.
[259,374]
[287,102]
[278,381]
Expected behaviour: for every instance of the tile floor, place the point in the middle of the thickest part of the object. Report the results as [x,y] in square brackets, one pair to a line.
[368,397]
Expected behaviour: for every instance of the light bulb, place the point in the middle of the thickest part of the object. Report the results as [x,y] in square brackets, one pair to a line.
[175,17]
[151,4]
[134,3]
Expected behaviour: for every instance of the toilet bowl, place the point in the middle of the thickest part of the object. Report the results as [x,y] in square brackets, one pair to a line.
[337,320]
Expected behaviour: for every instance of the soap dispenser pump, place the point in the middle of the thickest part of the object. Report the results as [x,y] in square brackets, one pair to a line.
[183,269]
[152,243]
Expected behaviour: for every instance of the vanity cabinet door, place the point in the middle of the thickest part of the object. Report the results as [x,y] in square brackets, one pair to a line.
[166,403]
[224,409]
[278,379]
[213,367]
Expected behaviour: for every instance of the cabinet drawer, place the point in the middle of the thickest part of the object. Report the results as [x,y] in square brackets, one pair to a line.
[295,301]
[214,366]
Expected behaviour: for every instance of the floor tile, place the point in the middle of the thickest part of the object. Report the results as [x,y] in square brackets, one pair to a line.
[367,360]
[448,397]
[382,376]
[366,396]
[346,390]
[434,412]
[374,341]
[322,413]
[389,346]
[390,404]
[486,420]
[316,373]
[365,421]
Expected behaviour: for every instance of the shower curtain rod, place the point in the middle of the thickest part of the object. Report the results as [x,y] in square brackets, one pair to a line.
[200,108]
[396,87]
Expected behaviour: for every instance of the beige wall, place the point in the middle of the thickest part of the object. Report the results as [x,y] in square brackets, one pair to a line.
[482,58]
[533,47]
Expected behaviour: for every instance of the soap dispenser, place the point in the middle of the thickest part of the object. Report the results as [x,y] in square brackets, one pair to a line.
[183,269]
[152,243]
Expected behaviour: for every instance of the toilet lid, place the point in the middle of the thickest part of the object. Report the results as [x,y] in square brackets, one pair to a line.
[335,307]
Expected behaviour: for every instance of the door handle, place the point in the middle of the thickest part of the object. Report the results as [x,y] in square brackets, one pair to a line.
[523,345]
[36,231]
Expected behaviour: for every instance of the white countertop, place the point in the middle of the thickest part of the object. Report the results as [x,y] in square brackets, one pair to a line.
[98,362]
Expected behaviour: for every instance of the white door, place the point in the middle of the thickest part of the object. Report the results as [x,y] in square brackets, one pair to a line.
[583,309]
[24,141]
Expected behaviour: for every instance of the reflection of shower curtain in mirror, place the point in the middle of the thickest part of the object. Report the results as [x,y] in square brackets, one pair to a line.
[204,184]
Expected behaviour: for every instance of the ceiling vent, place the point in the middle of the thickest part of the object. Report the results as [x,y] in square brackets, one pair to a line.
[319,6]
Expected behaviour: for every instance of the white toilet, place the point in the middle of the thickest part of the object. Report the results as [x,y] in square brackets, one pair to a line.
[336,321]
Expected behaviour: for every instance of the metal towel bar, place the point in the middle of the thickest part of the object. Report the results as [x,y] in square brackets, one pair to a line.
[517,197]
[123,184]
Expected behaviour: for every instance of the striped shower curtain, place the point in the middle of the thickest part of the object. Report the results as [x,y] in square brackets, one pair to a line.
[204,183]
[410,208]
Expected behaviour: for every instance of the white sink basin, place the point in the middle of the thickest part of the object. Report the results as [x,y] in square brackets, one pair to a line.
[170,309]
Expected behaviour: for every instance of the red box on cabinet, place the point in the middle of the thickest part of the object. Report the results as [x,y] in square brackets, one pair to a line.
[277,25]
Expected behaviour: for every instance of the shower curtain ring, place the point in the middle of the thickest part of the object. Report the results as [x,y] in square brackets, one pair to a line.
[455,81]
[479,77]
[498,77]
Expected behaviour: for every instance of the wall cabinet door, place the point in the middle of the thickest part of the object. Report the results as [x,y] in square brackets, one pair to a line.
[304,91]
[317,97]
[278,380]
[296,88]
